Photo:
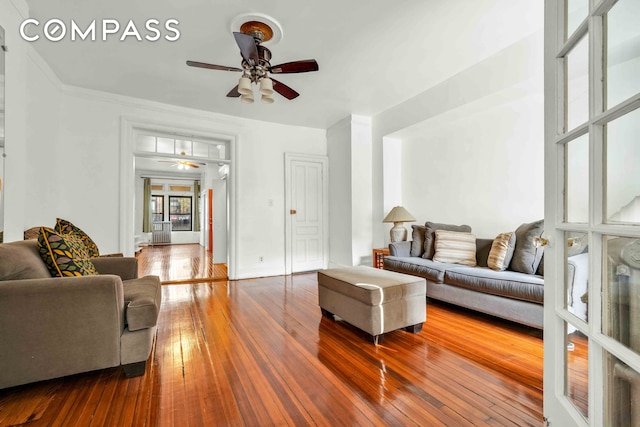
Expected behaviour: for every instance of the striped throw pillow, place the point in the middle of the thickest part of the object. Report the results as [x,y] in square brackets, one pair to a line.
[455,247]
[501,251]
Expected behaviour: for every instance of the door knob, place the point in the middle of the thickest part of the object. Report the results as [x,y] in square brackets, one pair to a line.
[293,211]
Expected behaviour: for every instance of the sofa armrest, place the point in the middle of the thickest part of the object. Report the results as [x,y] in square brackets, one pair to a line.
[125,267]
[402,249]
[59,326]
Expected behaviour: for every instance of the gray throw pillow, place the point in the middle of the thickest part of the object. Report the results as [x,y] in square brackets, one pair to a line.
[417,240]
[430,235]
[526,257]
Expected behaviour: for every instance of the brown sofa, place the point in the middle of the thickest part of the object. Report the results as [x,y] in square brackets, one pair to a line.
[52,327]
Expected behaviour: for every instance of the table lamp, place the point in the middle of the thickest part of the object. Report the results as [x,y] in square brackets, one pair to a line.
[397,216]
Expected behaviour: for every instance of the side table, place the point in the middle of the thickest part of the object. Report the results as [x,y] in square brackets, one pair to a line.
[378,257]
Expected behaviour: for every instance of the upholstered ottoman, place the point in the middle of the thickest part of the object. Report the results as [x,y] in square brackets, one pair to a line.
[373,300]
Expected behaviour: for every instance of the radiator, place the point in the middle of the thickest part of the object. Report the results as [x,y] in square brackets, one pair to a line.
[161,232]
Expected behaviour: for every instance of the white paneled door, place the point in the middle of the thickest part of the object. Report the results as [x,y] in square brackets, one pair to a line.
[592,213]
[306,205]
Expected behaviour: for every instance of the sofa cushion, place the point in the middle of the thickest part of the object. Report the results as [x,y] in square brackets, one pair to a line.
[427,268]
[501,251]
[417,240]
[64,255]
[142,297]
[526,257]
[455,247]
[66,227]
[21,260]
[527,287]
[430,235]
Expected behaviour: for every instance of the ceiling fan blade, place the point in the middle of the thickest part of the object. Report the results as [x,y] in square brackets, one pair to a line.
[212,66]
[233,93]
[303,66]
[247,46]
[284,90]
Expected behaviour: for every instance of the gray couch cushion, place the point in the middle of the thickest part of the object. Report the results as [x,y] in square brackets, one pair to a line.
[509,284]
[21,260]
[526,257]
[430,235]
[371,286]
[142,297]
[429,269]
[417,240]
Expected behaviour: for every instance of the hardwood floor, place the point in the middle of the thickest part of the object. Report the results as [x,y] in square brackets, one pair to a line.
[258,352]
[185,263]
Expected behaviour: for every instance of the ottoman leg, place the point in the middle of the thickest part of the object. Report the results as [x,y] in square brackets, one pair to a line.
[327,313]
[414,329]
[377,339]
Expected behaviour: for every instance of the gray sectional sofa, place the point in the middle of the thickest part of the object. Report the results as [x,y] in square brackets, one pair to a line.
[508,294]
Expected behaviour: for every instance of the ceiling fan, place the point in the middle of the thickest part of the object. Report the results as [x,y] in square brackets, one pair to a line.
[183,164]
[256,66]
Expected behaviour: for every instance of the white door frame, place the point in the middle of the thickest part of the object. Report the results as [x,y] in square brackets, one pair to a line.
[324,161]
[127,182]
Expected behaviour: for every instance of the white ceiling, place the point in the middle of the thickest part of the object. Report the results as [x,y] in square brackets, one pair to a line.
[372,54]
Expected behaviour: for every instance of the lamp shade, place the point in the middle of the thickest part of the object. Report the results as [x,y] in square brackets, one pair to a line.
[266,86]
[398,214]
[244,86]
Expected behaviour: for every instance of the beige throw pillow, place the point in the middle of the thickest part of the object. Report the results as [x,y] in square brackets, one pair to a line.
[501,251]
[455,247]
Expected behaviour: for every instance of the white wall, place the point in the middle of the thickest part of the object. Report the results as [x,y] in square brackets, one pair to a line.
[16,181]
[350,192]
[472,147]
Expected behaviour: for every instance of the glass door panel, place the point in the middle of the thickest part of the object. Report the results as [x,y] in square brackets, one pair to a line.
[622,166]
[623,51]
[577,360]
[577,274]
[577,170]
[576,12]
[577,84]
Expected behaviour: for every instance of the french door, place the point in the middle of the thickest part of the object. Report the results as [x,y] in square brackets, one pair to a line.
[592,213]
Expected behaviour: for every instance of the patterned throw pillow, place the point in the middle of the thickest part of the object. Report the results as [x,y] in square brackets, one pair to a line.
[455,247]
[65,255]
[66,227]
[501,251]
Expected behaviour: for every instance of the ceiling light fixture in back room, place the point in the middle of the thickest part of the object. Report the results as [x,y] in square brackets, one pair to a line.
[256,65]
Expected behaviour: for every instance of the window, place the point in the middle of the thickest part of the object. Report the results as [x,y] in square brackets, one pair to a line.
[180,212]
[157,208]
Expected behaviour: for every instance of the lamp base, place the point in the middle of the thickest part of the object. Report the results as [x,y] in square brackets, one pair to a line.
[398,232]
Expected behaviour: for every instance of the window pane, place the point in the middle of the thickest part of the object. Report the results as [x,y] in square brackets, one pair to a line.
[577,273]
[165,145]
[622,165]
[577,84]
[576,13]
[157,208]
[621,392]
[623,51]
[577,186]
[183,146]
[146,143]
[180,212]
[577,379]
[621,290]
[200,149]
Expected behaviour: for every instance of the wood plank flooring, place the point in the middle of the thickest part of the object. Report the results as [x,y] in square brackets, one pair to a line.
[184,263]
[258,352]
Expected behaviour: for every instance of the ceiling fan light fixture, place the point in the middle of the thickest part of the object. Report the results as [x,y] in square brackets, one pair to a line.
[247,99]
[268,99]
[244,86]
[266,86]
